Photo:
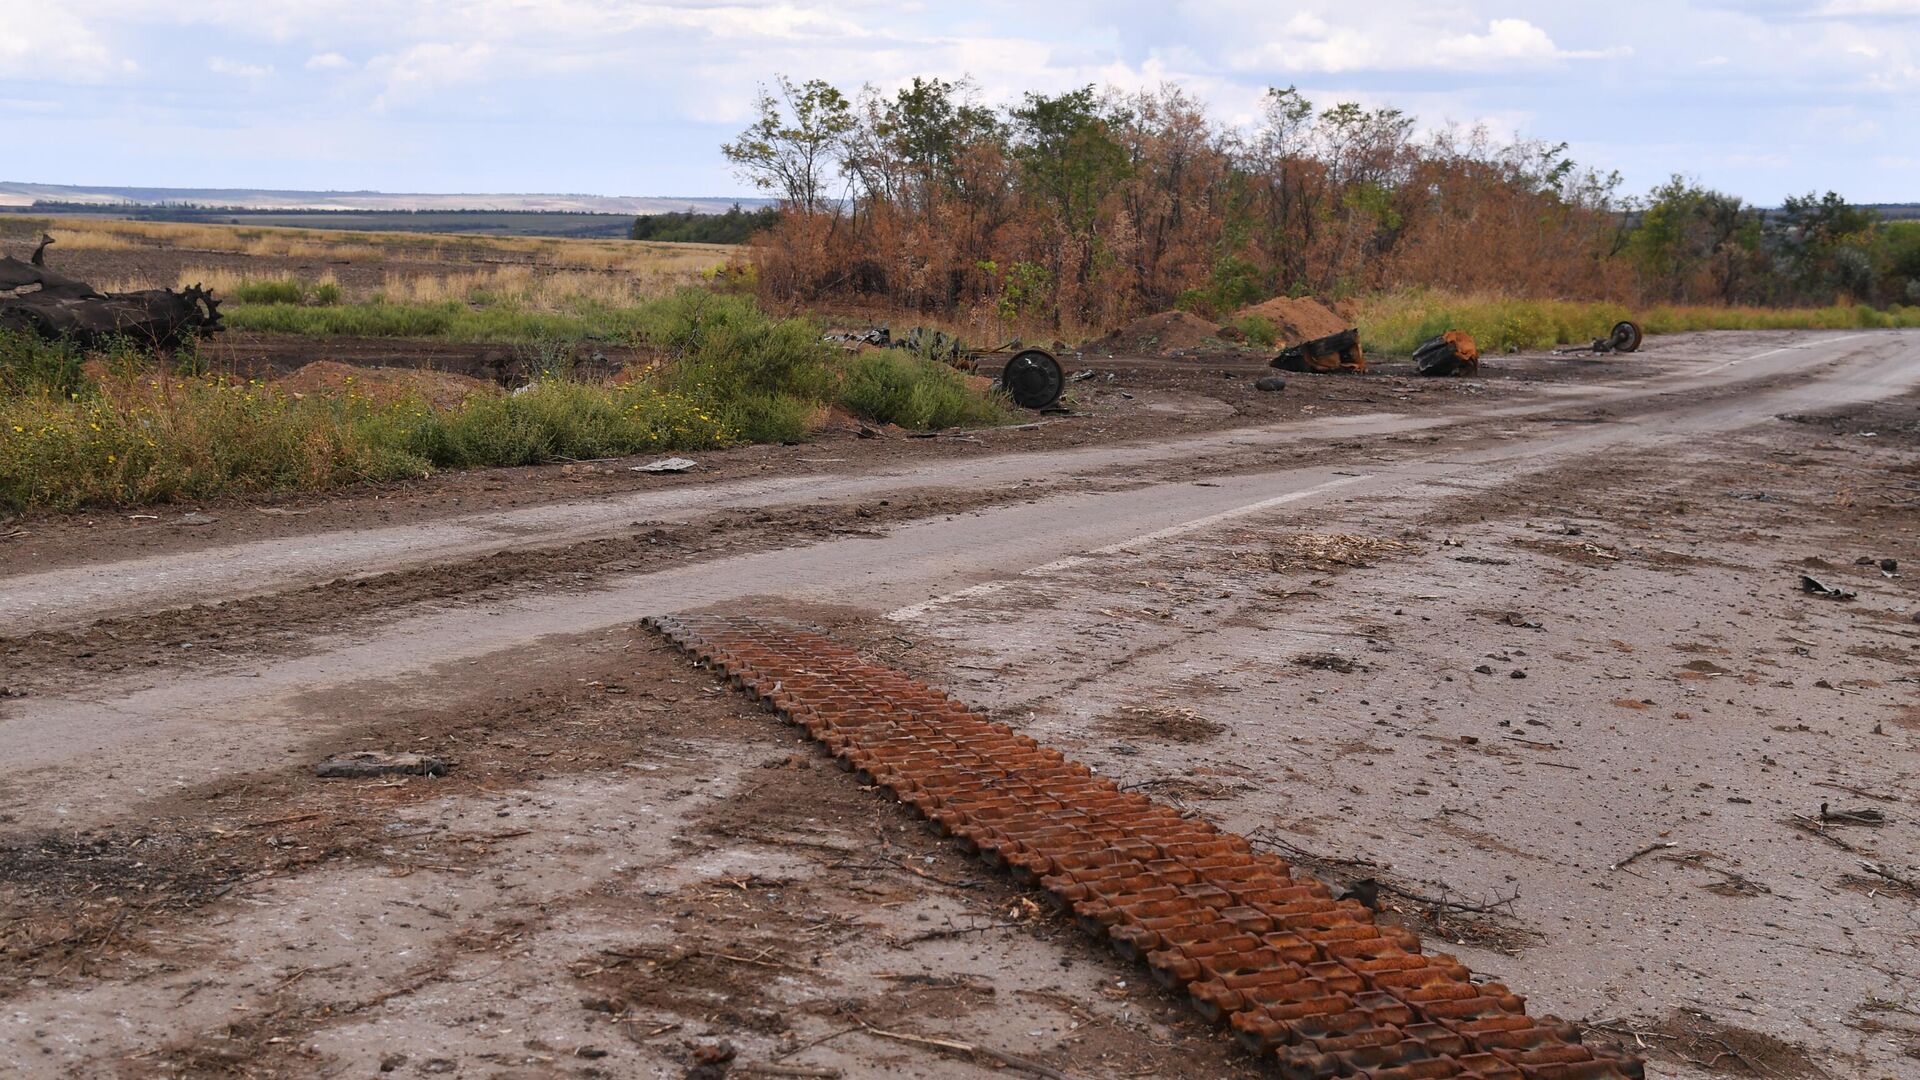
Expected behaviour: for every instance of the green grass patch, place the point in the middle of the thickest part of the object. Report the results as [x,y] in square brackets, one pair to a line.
[729,374]
[270,291]
[155,439]
[889,387]
[1260,331]
[1399,322]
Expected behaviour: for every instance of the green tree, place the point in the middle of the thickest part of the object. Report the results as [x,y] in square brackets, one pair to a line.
[794,142]
[1824,245]
[1692,239]
[1900,244]
[1067,149]
[1069,155]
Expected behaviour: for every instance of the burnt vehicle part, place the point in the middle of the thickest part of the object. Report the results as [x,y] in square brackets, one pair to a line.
[1625,337]
[49,305]
[1335,352]
[1452,353]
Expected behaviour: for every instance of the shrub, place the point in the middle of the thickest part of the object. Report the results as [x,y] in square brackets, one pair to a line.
[558,420]
[270,291]
[1260,331]
[890,388]
[158,439]
[29,365]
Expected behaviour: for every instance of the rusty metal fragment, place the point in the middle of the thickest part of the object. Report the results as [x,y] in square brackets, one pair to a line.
[1335,352]
[1309,982]
[1452,353]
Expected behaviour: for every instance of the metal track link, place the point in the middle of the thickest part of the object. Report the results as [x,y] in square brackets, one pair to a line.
[1311,983]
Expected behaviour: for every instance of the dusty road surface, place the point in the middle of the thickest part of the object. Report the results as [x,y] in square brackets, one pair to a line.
[1533,653]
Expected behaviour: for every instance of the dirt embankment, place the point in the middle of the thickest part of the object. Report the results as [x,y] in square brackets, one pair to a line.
[1295,320]
[441,389]
[1176,334]
[1168,334]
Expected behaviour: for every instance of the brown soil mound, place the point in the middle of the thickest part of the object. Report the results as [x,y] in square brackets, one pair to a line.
[1170,333]
[441,389]
[1296,321]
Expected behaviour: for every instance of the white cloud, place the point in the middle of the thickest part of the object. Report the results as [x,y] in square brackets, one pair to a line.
[1378,38]
[220,65]
[43,42]
[427,89]
[426,68]
[1513,41]
[1842,9]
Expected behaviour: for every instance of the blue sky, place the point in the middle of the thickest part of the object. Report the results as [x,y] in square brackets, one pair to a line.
[617,98]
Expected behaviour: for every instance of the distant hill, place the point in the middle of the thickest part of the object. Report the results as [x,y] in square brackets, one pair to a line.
[1896,211]
[17,195]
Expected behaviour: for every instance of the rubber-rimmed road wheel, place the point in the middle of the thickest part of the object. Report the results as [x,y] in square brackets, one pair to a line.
[1033,379]
[1626,336]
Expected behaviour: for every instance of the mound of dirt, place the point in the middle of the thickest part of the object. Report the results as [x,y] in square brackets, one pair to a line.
[1296,321]
[441,389]
[1170,333]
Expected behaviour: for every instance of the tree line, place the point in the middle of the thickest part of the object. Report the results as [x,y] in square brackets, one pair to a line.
[1091,206]
[736,226]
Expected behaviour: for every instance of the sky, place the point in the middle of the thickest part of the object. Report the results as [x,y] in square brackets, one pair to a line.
[1760,99]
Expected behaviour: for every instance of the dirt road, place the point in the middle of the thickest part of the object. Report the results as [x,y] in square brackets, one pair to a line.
[1481,653]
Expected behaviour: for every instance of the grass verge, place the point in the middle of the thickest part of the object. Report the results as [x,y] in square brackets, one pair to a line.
[1399,322]
[135,433]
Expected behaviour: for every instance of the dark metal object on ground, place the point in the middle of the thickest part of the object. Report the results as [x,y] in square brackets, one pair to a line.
[1452,353]
[49,305]
[1335,352]
[1816,587]
[1313,984]
[1032,378]
[1625,338]
[921,341]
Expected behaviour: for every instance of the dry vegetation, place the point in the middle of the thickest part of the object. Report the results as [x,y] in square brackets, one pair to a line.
[638,257]
[1071,214]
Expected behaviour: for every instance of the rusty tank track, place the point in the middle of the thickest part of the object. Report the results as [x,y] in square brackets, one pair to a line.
[1311,983]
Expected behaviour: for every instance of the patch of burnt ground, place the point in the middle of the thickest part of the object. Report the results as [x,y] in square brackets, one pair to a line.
[1696,1039]
[1892,421]
[1166,723]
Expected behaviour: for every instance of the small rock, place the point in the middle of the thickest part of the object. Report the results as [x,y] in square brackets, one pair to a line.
[591,1053]
[1270,383]
[1516,673]
[1484,669]
[666,465]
